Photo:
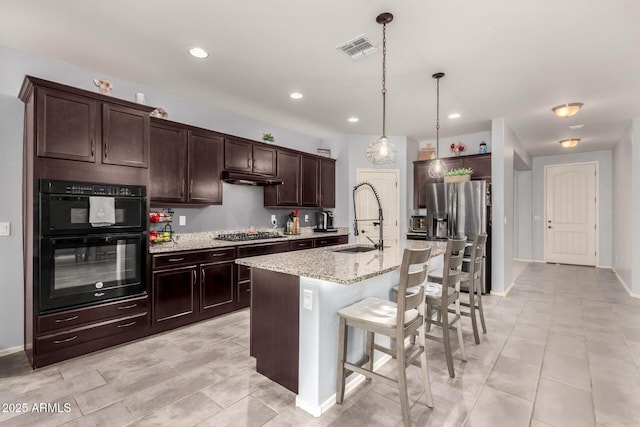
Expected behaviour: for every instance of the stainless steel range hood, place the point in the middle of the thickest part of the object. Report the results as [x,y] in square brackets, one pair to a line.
[249,179]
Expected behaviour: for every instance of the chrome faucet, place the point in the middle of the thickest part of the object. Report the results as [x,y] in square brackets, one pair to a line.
[380,244]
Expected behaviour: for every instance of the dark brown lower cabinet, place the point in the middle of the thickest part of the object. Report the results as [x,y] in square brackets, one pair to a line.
[174,294]
[217,287]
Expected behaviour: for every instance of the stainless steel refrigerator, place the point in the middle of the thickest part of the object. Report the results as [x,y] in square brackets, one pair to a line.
[461,209]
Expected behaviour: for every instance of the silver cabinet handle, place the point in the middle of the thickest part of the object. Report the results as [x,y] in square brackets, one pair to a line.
[68,319]
[93,147]
[106,145]
[175,259]
[126,325]
[220,254]
[98,294]
[127,307]
[194,277]
[67,340]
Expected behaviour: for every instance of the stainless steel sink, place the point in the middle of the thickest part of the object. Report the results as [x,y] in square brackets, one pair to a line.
[356,249]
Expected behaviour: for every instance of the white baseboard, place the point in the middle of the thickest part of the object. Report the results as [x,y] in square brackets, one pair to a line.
[626,287]
[505,293]
[11,350]
[604,266]
[524,260]
[318,410]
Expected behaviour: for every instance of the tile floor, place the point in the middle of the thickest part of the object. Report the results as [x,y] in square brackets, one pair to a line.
[563,349]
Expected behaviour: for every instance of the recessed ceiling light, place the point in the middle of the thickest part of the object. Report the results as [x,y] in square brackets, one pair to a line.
[353,119]
[296,95]
[567,110]
[198,52]
[569,143]
[580,126]
[454,115]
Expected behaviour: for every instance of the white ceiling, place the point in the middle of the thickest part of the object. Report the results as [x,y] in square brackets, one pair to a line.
[502,58]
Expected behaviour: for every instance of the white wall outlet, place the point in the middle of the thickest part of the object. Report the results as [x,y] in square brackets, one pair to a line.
[182,220]
[274,221]
[5,229]
[306,218]
[307,300]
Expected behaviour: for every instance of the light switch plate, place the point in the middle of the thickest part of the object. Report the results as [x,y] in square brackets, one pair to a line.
[307,301]
[182,220]
[5,228]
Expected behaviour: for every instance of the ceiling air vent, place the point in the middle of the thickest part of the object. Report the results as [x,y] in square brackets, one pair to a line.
[358,48]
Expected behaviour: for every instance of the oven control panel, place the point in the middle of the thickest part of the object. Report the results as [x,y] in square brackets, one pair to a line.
[92,189]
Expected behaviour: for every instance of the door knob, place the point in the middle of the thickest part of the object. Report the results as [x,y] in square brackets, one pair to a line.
[549,226]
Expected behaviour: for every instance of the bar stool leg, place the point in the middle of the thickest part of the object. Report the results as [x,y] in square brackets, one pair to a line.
[370,340]
[402,382]
[463,352]
[484,326]
[472,308]
[425,368]
[447,342]
[342,355]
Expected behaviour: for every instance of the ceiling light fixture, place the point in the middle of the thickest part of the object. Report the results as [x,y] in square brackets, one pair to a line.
[198,52]
[454,115]
[569,143]
[382,151]
[296,95]
[437,168]
[353,119]
[567,110]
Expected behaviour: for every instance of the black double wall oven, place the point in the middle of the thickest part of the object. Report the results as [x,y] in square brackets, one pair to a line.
[92,244]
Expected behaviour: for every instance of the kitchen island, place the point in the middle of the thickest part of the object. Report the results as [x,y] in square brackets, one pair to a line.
[295,298]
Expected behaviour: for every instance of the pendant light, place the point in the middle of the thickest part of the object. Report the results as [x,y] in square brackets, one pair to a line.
[437,168]
[382,151]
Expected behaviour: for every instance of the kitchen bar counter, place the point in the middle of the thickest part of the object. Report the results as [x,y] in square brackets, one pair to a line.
[207,240]
[295,298]
[340,267]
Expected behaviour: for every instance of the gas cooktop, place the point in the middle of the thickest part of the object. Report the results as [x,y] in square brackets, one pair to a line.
[241,237]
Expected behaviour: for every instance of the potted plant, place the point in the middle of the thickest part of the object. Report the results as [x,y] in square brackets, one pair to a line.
[267,137]
[458,175]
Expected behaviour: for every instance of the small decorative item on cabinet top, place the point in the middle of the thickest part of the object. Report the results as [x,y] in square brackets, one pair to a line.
[160,113]
[427,153]
[324,152]
[458,175]
[483,148]
[456,148]
[104,86]
[267,137]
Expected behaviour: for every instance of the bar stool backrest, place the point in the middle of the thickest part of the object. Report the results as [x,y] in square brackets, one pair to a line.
[413,273]
[453,257]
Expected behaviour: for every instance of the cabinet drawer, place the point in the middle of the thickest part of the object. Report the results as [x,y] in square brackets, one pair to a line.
[74,318]
[95,331]
[244,273]
[295,245]
[244,294]
[178,259]
[333,240]
[262,249]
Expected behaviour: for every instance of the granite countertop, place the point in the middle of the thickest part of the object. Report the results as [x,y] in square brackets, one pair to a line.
[340,267]
[207,240]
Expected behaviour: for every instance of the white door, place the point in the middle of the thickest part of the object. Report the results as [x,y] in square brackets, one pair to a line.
[571,213]
[386,183]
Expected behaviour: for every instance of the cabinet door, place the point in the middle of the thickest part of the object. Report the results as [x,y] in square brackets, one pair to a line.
[264,160]
[420,180]
[125,136]
[66,126]
[168,166]
[481,166]
[288,193]
[173,294]
[310,181]
[205,166]
[454,163]
[217,286]
[238,155]
[327,183]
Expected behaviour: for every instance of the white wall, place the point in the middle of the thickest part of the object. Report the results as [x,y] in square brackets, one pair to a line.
[635,206]
[606,190]
[522,228]
[470,140]
[11,280]
[622,242]
[504,141]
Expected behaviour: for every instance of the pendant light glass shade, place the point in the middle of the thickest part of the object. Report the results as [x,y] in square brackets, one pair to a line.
[437,168]
[567,110]
[382,151]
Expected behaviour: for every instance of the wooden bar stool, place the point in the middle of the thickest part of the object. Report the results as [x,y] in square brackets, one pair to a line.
[396,320]
[439,296]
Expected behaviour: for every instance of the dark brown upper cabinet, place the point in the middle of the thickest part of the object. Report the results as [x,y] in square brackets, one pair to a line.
[480,163]
[318,179]
[185,164]
[288,193]
[66,126]
[246,156]
[125,136]
[72,124]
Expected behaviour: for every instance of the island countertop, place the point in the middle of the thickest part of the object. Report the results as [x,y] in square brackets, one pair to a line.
[340,267]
